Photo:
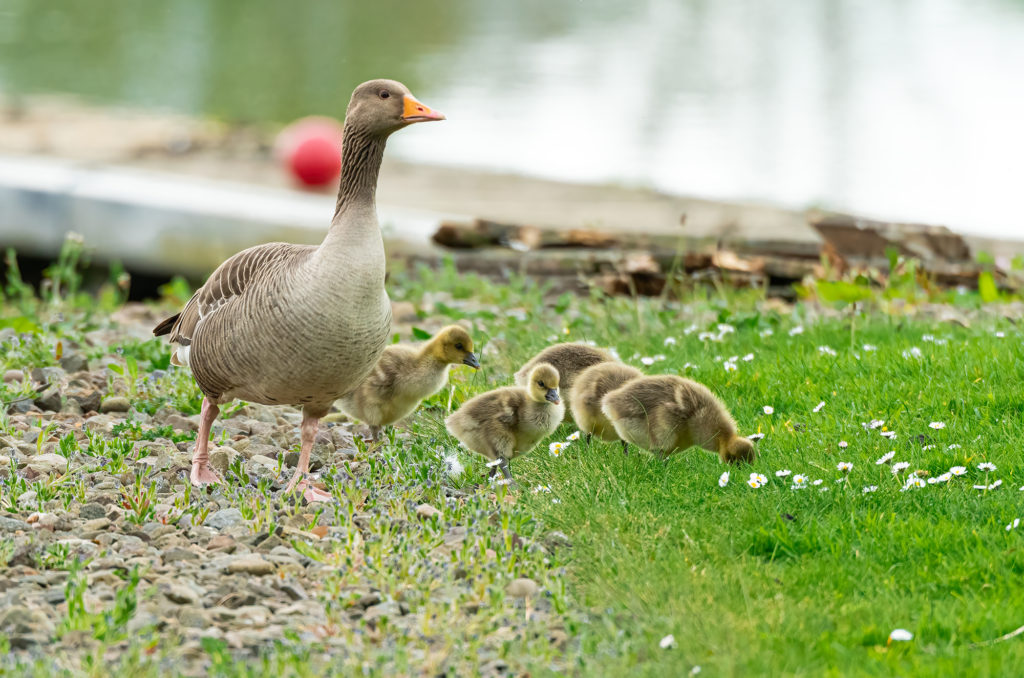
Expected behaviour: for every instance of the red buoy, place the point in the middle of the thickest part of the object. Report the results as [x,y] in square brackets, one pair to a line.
[311,150]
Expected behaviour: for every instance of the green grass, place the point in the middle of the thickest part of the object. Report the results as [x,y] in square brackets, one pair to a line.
[767,581]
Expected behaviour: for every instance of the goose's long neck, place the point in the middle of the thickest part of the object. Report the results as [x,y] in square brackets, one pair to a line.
[361,154]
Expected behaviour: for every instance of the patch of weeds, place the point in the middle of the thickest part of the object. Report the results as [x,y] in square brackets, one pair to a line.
[55,557]
[107,626]
[139,501]
[132,430]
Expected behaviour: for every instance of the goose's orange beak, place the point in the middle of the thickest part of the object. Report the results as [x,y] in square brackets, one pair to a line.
[414,111]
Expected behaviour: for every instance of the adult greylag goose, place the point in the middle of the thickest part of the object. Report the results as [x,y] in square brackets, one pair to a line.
[405,375]
[668,413]
[299,324]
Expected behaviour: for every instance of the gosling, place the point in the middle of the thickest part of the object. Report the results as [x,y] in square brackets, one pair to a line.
[668,413]
[569,359]
[510,421]
[590,387]
[405,375]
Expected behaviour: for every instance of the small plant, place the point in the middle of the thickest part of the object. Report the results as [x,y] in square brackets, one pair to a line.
[107,626]
[140,501]
[55,557]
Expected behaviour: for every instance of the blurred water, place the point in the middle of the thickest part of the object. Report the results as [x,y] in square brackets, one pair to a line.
[909,109]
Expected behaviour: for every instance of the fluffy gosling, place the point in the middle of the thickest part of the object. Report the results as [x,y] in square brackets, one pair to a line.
[569,359]
[509,421]
[589,389]
[405,375]
[668,413]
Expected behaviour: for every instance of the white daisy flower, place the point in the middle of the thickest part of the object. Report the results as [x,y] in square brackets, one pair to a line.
[729,367]
[986,466]
[747,358]
[754,483]
[868,348]
[817,482]
[542,488]
[724,328]
[759,478]
[900,636]
[818,407]
[891,435]
[841,480]
[690,330]
[1000,335]
[885,458]
[927,447]
[876,423]
[995,484]
[767,333]
[768,409]
[980,487]
[723,479]
[782,473]
[660,357]
[827,350]
[843,444]
[869,489]
[915,482]
[900,466]
[799,329]
[647,361]
[844,466]
[958,470]
[823,489]
[668,642]
[492,464]
[502,481]
[799,481]
[936,425]
[689,366]
[944,477]
[1013,525]
[933,480]
[954,446]
[553,501]
[555,448]
[707,336]
[670,341]
[928,337]
[912,352]
[575,435]
[755,437]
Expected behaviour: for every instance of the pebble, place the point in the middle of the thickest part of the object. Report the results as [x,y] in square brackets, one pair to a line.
[250,564]
[427,511]
[93,510]
[13,376]
[115,404]
[224,518]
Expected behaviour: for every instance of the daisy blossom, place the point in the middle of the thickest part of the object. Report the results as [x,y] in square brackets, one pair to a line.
[885,458]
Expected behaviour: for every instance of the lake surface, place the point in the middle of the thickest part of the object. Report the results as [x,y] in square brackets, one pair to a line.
[904,109]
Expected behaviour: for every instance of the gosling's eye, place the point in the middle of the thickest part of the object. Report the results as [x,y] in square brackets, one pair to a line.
[540,383]
[458,346]
[384,94]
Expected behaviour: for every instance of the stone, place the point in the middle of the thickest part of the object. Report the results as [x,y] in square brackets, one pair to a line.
[222,542]
[182,594]
[74,362]
[180,423]
[88,398]
[46,464]
[219,520]
[49,400]
[47,375]
[115,404]
[96,524]
[250,564]
[427,511]
[13,525]
[11,376]
[176,553]
[522,588]
[221,458]
[387,610]
[93,510]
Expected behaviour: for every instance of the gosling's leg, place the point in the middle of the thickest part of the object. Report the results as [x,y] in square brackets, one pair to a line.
[299,480]
[625,448]
[202,472]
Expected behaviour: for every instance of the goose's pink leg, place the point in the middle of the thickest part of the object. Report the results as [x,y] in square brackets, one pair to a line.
[299,480]
[202,472]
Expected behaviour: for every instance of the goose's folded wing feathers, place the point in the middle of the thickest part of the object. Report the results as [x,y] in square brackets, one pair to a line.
[228,282]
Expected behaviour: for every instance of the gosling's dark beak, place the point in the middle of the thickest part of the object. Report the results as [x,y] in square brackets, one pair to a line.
[552,396]
[471,360]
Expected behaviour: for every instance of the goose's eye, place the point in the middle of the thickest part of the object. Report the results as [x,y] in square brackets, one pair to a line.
[384,94]
[540,383]
[458,346]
